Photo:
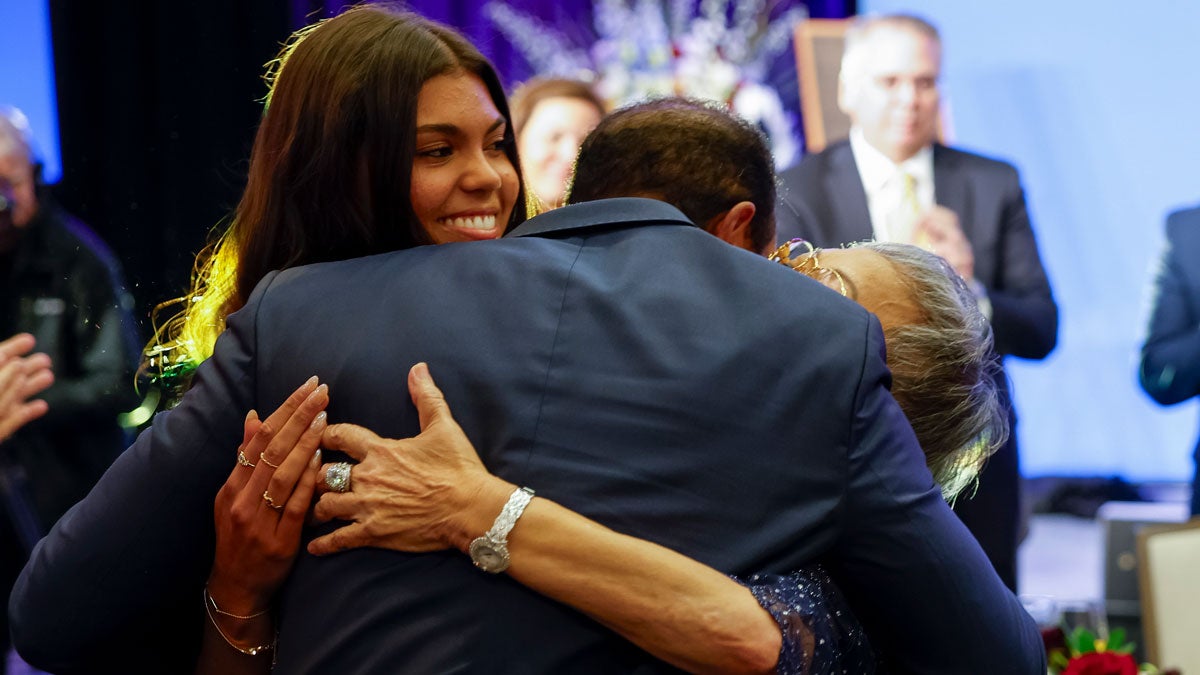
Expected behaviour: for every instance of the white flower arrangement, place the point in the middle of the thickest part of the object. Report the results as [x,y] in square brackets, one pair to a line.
[720,51]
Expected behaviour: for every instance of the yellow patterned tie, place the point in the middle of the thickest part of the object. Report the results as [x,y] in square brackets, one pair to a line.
[911,206]
[902,218]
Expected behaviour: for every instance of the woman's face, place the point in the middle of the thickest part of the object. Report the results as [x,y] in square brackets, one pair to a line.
[871,281]
[550,141]
[463,185]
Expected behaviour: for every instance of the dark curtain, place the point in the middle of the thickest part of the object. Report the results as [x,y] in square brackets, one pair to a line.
[158,104]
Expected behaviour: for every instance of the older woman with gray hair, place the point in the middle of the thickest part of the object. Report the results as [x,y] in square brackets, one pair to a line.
[939,349]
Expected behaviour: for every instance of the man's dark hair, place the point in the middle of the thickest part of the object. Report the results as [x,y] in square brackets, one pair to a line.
[697,156]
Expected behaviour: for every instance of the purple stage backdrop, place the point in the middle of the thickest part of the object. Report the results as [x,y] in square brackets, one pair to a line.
[570,16]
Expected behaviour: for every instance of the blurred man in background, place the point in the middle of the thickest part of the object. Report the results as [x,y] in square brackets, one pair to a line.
[892,181]
[1170,364]
[62,286]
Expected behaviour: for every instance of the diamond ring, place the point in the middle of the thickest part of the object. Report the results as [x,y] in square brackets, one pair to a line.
[337,477]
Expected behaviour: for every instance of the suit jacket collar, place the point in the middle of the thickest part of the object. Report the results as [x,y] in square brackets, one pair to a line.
[950,189]
[624,211]
[950,186]
[849,204]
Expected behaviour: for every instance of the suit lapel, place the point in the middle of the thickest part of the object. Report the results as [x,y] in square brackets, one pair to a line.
[950,187]
[848,200]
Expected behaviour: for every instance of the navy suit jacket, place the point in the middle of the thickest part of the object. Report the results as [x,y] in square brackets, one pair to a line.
[1170,363]
[822,200]
[612,356]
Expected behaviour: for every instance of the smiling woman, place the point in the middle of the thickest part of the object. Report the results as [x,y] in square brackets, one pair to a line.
[343,129]
[337,138]
[552,117]
[464,185]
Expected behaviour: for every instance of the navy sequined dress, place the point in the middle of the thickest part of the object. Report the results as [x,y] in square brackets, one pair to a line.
[820,633]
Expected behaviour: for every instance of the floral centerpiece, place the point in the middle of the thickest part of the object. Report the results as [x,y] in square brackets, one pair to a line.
[1080,652]
[719,50]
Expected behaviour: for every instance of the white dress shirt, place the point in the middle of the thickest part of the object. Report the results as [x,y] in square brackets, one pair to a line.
[883,181]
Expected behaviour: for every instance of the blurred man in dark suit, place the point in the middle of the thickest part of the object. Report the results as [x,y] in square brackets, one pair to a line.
[1170,364]
[892,181]
[61,286]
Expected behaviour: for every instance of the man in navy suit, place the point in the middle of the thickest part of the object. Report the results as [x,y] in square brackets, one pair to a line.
[1170,364]
[612,355]
[892,181]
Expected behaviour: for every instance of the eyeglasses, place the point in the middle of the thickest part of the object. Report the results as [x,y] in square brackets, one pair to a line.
[805,261]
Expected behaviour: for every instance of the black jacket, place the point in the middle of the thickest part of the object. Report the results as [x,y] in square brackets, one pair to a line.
[62,284]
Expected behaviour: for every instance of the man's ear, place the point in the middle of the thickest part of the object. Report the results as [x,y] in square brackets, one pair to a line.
[733,226]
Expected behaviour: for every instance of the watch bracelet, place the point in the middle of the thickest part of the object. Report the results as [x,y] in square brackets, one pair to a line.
[512,510]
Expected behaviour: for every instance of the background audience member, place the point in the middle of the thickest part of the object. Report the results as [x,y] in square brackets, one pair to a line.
[62,285]
[892,181]
[551,118]
[1170,363]
[22,376]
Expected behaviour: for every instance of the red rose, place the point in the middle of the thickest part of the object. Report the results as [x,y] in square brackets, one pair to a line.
[1054,638]
[1102,663]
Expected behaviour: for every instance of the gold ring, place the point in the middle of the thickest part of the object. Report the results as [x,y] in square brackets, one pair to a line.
[243,461]
[271,502]
[263,458]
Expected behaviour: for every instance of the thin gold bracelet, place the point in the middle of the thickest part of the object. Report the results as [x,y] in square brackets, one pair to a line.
[210,605]
[209,598]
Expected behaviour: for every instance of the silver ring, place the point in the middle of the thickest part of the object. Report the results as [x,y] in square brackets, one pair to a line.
[337,477]
[243,460]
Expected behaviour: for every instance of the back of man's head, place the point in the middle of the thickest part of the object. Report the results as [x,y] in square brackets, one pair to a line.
[696,156]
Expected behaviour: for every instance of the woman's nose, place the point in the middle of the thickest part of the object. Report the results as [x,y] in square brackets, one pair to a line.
[483,174]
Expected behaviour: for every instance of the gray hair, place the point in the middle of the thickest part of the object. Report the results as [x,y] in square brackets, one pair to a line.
[944,369]
[14,133]
[859,34]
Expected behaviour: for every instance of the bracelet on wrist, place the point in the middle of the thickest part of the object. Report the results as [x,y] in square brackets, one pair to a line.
[208,598]
[210,606]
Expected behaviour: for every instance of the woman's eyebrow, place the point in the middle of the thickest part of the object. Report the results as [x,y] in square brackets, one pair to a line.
[441,128]
[447,128]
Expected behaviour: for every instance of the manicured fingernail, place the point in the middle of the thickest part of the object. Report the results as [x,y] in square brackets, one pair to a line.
[421,372]
[318,421]
[251,414]
[310,381]
[316,459]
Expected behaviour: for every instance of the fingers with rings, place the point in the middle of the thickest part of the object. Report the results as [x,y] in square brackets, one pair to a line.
[305,401]
[294,481]
[337,477]
[279,451]
[271,502]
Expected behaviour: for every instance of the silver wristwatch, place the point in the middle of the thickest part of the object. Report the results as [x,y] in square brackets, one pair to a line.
[490,552]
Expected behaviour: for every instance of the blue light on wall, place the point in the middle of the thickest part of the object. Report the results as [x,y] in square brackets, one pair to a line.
[27,75]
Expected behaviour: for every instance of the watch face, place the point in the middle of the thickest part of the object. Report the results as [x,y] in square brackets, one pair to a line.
[488,556]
